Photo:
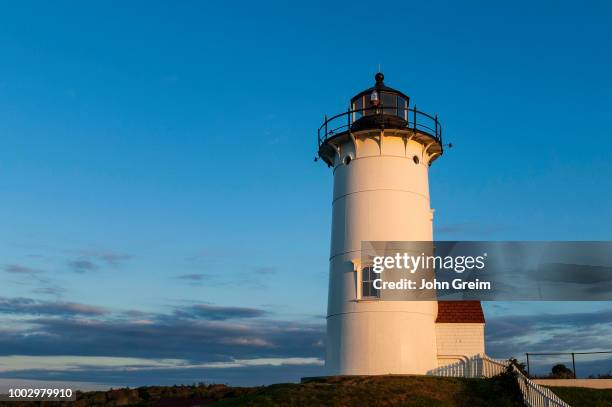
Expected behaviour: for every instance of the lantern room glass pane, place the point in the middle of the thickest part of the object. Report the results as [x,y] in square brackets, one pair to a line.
[389,102]
[357,105]
[401,107]
[367,106]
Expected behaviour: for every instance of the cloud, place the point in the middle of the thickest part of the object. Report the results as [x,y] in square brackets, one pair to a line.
[265,270]
[574,273]
[513,335]
[27,306]
[255,375]
[255,277]
[19,269]
[49,290]
[121,353]
[16,363]
[93,260]
[240,345]
[199,334]
[135,314]
[195,341]
[109,257]
[216,313]
[193,277]
[36,278]
[82,266]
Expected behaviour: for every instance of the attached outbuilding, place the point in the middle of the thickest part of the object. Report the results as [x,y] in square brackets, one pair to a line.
[459,331]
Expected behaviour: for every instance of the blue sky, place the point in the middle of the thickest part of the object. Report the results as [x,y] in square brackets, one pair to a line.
[157,171]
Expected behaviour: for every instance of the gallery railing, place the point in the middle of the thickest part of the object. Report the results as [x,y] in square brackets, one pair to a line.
[410,118]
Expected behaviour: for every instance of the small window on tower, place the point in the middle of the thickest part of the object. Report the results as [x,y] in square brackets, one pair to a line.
[367,283]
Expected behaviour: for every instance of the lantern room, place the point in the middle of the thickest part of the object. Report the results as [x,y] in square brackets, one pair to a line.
[379,102]
[375,111]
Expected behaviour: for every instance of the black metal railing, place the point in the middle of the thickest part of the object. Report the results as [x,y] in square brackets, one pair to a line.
[573,354]
[414,120]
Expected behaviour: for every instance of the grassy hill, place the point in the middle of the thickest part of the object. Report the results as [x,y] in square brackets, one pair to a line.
[386,391]
[419,391]
[582,397]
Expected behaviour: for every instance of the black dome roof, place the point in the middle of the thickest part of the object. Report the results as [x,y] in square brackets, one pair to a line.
[379,87]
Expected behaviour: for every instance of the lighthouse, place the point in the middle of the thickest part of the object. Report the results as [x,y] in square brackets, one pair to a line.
[380,151]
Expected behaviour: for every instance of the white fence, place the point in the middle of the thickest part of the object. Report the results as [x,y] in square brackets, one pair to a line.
[481,366]
[475,367]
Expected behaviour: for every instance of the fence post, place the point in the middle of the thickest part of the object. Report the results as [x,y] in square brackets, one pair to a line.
[528,374]
[574,364]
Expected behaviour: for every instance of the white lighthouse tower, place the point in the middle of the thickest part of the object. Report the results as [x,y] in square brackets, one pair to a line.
[380,151]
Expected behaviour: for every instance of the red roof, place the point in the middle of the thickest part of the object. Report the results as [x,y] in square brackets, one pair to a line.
[460,312]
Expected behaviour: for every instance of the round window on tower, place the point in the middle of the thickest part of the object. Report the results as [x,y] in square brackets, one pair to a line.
[415,159]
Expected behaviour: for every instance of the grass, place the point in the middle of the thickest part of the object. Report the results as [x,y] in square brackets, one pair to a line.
[583,397]
[345,391]
[386,391]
